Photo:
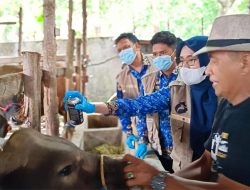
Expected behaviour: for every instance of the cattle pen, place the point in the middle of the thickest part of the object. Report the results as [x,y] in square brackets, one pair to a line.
[38,74]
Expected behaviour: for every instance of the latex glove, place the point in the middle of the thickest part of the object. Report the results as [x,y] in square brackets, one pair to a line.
[141,151]
[131,139]
[84,106]
[71,94]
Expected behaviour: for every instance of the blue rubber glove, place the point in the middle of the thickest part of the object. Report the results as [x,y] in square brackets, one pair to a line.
[71,94]
[141,151]
[130,140]
[84,106]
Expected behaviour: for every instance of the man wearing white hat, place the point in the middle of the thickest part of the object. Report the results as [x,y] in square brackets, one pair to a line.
[225,163]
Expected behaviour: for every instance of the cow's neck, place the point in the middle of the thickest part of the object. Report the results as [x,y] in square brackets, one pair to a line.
[113,173]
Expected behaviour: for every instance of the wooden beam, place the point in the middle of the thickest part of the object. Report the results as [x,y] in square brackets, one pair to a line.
[84,46]
[69,48]
[20,16]
[10,60]
[32,88]
[78,62]
[7,23]
[49,65]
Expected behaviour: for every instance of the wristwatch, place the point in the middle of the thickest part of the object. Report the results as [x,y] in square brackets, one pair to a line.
[158,181]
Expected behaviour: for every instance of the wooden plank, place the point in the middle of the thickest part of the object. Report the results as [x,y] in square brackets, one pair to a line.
[10,60]
[10,85]
[7,23]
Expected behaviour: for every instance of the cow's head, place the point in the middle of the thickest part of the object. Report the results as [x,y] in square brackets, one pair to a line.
[30,160]
[12,108]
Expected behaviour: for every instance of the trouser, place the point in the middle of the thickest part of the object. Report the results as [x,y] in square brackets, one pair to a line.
[166,161]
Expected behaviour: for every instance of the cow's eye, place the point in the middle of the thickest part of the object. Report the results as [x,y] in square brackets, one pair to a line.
[67,170]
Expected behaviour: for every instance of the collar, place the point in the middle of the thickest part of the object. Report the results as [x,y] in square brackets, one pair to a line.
[146,59]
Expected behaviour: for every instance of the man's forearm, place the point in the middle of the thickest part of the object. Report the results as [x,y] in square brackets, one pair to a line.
[174,182]
[178,183]
[193,177]
[101,107]
[199,169]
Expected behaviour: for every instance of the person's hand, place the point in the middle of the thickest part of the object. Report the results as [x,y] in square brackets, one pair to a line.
[138,172]
[131,139]
[141,151]
[71,94]
[84,106]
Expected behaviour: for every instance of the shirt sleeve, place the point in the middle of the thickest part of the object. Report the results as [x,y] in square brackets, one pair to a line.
[125,121]
[165,130]
[126,124]
[142,129]
[143,105]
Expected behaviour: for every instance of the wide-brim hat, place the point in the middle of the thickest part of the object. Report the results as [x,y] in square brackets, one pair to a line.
[229,33]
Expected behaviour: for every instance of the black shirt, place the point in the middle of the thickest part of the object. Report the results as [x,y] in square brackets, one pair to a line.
[229,142]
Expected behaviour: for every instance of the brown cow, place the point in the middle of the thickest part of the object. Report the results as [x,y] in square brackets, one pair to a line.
[10,109]
[30,160]
[4,127]
[96,120]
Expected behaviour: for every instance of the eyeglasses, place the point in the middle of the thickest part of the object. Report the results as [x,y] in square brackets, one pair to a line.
[188,62]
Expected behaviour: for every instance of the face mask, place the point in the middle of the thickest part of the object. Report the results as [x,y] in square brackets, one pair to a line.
[192,76]
[163,62]
[127,56]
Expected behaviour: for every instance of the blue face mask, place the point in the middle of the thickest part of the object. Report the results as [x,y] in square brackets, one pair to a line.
[127,56]
[163,62]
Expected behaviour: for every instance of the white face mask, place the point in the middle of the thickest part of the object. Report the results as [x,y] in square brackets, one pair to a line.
[192,76]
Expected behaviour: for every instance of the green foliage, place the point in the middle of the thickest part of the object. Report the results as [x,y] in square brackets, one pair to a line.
[242,6]
[40,18]
[111,17]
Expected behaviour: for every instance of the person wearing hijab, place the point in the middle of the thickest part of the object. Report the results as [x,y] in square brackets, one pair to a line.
[203,99]
[193,103]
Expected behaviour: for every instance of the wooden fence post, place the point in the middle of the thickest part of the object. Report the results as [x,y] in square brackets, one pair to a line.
[32,88]
[78,63]
[70,48]
[70,58]
[20,17]
[49,67]
[84,46]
